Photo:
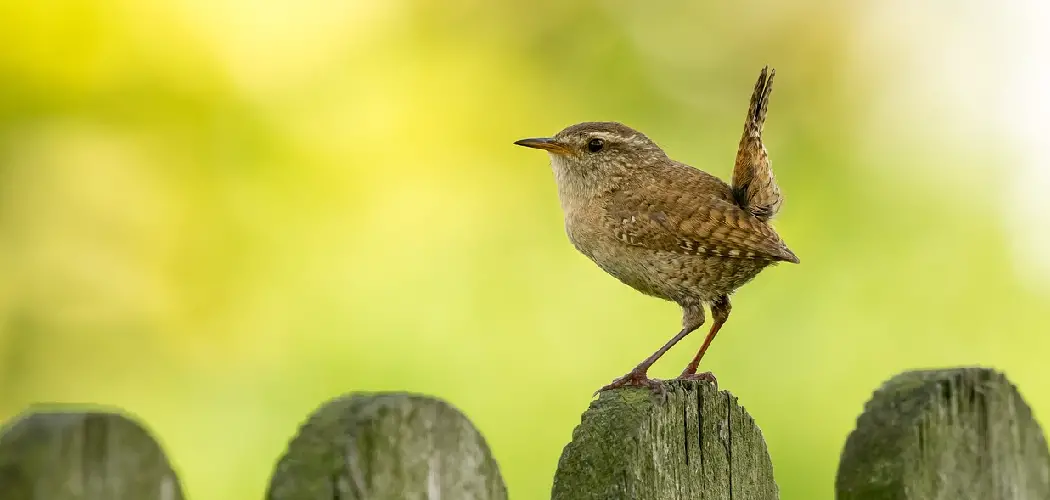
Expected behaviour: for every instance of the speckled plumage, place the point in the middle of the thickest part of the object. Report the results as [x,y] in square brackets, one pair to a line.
[664,228]
[754,186]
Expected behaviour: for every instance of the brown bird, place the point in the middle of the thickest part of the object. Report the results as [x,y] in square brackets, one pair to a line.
[667,229]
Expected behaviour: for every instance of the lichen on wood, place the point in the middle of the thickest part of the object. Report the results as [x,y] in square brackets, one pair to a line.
[696,442]
[387,446]
[961,433]
[63,453]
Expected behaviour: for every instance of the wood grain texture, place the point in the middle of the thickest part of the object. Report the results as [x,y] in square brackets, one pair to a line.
[698,443]
[387,446]
[961,433]
[60,453]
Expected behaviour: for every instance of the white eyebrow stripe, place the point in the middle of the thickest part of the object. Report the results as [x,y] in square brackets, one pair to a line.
[633,138]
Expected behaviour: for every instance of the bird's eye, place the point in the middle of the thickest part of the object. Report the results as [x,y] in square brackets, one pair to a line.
[595,145]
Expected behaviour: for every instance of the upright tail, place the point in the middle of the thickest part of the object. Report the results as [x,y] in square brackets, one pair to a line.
[754,186]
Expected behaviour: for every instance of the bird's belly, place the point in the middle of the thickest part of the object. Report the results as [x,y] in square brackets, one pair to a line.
[703,277]
[668,275]
[613,257]
[633,272]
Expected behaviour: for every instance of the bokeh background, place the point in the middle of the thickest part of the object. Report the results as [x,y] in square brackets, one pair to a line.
[219,214]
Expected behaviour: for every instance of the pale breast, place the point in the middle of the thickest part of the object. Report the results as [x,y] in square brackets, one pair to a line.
[668,275]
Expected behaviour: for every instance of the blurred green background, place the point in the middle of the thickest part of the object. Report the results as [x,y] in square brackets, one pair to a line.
[219,214]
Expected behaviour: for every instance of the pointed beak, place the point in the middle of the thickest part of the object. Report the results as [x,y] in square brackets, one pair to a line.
[545,143]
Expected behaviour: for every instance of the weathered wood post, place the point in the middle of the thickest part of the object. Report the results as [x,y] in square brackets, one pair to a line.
[387,446]
[698,443]
[960,433]
[62,453]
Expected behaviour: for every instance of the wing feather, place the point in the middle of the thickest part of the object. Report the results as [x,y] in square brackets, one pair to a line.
[695,216]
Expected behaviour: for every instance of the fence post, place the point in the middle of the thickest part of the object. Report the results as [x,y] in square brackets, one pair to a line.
[60,453]
[962,433]
[387,446]
[697,443]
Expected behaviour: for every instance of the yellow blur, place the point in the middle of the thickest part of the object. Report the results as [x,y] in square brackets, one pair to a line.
[220,214]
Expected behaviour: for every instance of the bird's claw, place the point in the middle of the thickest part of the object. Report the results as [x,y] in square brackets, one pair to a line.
[635,378]
[704,377]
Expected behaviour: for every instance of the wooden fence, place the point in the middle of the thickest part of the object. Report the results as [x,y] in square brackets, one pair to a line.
[954,434]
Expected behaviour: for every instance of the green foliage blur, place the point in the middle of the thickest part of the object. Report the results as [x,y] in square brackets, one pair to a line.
[220,214]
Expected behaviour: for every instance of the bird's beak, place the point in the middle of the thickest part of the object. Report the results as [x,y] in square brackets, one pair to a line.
[544,143]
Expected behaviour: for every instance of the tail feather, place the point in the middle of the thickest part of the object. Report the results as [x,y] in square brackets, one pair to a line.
[754,185]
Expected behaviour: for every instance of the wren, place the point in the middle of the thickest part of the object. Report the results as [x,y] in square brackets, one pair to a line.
[667,229]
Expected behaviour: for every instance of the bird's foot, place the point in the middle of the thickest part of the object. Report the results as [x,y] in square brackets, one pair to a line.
[636,378]
[705,376]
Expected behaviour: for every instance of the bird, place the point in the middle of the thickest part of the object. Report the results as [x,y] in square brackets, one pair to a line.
[667,229]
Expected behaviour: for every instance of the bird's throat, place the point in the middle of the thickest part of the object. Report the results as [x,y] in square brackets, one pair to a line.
[574,188]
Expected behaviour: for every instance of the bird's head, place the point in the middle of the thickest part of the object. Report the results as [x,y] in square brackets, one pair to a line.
[590,154]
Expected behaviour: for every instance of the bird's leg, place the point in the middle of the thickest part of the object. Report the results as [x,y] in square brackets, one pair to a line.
[692,318]
[719,313]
